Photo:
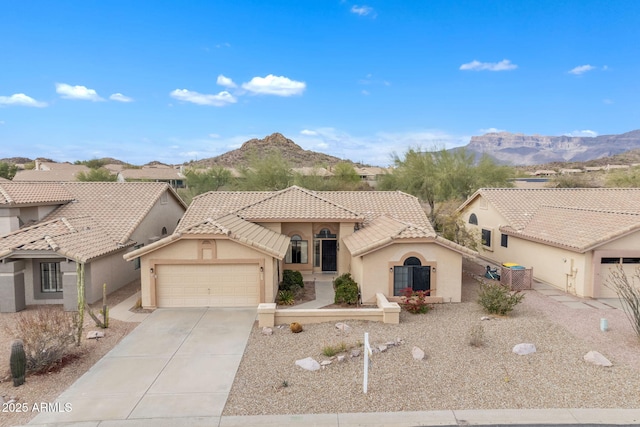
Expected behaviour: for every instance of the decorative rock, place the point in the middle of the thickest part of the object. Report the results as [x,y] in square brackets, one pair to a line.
[295,327]
[399,341]
[597,359]
[341,358]
[417,353]
[309,364]
[524,348]
[382,348]
[94,335]
[355,352]
[485,318]
[267,331]
[343,327]
[390,344]
[325,363]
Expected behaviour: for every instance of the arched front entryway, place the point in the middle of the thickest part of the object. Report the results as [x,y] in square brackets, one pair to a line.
[326,250]
[411,274]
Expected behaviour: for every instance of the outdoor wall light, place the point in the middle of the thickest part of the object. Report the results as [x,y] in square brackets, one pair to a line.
[151,270]
[390,269]
[261,269]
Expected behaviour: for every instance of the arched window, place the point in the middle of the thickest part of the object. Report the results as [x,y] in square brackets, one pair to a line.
[164,231]
[325,233]
[207,249]
[412,261]
[298,251]
[473,219]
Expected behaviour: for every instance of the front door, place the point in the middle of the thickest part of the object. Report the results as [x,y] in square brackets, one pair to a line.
[329,255]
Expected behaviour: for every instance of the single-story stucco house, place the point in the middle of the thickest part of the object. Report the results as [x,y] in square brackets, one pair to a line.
[571,237]
[46,228]
[231,248]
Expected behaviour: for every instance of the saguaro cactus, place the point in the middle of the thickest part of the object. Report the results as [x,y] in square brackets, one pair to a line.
[18,363]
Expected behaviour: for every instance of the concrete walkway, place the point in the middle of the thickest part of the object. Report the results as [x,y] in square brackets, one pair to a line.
[177,363]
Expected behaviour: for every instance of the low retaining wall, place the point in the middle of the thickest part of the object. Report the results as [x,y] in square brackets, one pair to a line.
[387,312]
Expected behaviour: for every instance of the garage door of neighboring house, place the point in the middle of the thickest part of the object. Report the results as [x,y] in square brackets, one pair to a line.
[229,285]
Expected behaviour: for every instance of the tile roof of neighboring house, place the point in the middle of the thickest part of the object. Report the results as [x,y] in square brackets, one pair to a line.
[28,193]
[80,239]
[312,171]
[54,172]
[94,219]
[576,218]
[151,174]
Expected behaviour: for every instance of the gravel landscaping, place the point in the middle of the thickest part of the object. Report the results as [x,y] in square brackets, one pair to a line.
[454,375]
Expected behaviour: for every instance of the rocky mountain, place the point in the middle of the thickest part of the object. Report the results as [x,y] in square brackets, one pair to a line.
[289,150]
[520,149]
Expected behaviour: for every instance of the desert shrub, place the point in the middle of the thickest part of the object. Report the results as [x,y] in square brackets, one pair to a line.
[291,281]
[346,290]
[332,350]
[48,335]
[498,299]
[415,301]
[286,297]
[476,335]
[628,292]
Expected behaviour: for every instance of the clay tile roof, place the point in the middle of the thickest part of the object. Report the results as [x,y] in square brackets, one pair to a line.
[61,173]
[152,174]
[295,203]
[576,218]
[245,232]
[80,239]
[19,193]
[118,207]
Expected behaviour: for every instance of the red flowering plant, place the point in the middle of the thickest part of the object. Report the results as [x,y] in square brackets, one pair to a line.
[415,301]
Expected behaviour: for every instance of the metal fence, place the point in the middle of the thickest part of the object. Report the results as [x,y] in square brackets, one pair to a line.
[517,279]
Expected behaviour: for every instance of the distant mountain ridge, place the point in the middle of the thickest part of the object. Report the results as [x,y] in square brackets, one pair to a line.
[523,150]
[289,150]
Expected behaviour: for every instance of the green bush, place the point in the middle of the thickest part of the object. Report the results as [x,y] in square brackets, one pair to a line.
[346,290]
[286,297]
[498,299]
[291,281]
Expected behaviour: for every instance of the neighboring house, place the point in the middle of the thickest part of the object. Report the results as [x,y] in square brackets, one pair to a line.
[170,175]
[51,172]
[231,248]
[571,237]
[46,228]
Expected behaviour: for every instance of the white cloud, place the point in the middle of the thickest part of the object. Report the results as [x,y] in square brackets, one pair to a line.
[219,100]
[363,11]
[226,82]
[308,132]
[274,85]
[583,133]
[120,98]
[213,135]
[504,65]
[22,100]
[77,92]
[492,130]
[581,69]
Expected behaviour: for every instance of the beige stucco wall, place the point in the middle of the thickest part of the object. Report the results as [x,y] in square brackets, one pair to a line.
[189,251]
[112,270]
[160,215]
[374,271]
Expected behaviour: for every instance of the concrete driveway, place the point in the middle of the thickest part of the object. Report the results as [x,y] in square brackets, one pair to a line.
[178,363]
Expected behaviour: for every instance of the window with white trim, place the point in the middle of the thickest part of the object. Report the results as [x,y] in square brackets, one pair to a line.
[50,277]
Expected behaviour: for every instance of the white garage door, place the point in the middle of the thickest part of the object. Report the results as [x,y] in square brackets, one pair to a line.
[234,285]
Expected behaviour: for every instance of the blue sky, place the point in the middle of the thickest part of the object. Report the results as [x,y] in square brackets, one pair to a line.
[176,81]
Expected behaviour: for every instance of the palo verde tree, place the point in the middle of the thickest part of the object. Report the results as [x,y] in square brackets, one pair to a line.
[268,173]
[7,170]
[94,175]
[438,176]
[200,181]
